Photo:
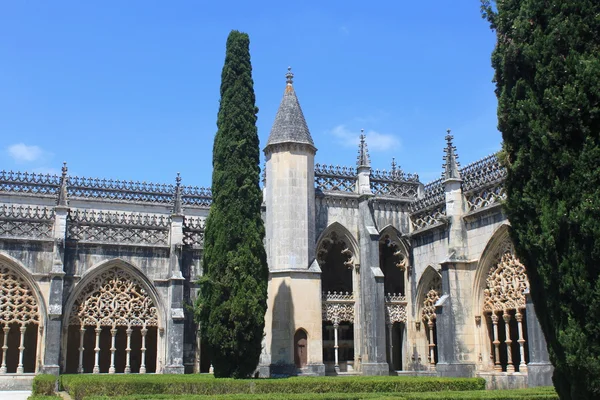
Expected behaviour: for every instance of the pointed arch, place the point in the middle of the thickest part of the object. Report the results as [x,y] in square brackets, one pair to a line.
[430,279]
[129,269]
[24,274]
[113,322]
[344,234]
[491,253]
[23,316]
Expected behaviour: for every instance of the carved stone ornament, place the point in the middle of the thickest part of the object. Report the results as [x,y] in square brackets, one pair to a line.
[338,307]
[431,297]
[327,243]
[17,301]
[114,298]
[506,282]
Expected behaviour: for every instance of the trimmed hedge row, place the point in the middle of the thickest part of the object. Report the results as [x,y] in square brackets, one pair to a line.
[44,384]
[519,394]
[80,386]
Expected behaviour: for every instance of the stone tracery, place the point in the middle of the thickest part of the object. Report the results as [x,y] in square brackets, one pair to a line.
[18,305]
[428,315]
[114,298]
[504,297]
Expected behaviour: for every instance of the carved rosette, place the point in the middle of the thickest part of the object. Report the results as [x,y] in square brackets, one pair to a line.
[506,283]
[114,298]
[17,301]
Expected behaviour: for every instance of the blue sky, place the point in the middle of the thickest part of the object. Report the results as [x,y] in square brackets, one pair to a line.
[130,89]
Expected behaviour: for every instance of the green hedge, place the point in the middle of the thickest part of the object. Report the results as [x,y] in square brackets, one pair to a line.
[520,394]
[80,386]
[44,384]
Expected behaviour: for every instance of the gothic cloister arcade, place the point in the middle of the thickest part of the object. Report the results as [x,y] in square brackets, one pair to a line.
[393,261]
[113,323]
[21,320]
[336,252]
[501,285]
[430,291]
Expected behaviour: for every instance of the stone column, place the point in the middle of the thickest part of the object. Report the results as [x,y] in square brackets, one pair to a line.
[390,328]
[496,343]
[521,341]
[128,351]
[53,329]
[430,325]
[5,331]
[144,331]
[509,365]
[372,296]
[454,310]
[336,346]
[176,317]
[113,337]
[81,349]
[96,369]
[539,368]
[22,329]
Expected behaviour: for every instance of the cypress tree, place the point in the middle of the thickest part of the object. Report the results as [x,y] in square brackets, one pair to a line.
[547,75]
[232,300]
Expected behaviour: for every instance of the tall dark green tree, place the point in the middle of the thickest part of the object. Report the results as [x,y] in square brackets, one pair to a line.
[232,299]
[548,88]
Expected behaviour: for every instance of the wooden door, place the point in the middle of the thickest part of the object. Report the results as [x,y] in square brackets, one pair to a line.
[300,353]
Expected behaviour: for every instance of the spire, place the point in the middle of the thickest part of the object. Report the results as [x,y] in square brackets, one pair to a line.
[62,191]
[363,159]
[290,125]
[177,208]
[450,164]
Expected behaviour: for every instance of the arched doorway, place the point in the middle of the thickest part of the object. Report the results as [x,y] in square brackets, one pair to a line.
[112,326]
[19,323]
[335,254]
[300,348]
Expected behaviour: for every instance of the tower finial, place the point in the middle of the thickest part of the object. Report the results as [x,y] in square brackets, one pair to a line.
[62,191]
[363,159]
[394,165]
[177,201]
[451,164]
[289,76]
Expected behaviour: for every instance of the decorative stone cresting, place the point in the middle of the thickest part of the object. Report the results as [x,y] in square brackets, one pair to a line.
[114,298]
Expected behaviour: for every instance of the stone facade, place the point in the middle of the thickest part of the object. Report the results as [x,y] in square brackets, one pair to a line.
[371,272]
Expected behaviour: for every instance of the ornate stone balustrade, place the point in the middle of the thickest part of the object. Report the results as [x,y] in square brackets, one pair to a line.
[335,178]
[34,222]
[26,183]
[429,217]
[394,183]
[486,197]
[193,231]
[99,189]
[395,308]
[483,173]
[338,307]
[433,196]
[118,227]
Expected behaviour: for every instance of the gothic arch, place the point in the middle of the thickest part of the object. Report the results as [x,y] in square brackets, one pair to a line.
[100,268]
[393,261]
[114,305]
[344,234]
[428,277]
[499,299]
[488,256]
[428,293]
[22,317]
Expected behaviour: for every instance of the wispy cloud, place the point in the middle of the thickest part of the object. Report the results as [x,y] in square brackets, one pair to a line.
[376,141]
[20,152]
[344,30]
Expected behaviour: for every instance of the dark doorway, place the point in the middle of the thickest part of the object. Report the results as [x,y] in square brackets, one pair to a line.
[300,348]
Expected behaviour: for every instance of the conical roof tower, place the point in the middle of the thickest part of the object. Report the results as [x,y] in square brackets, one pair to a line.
[290,125]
